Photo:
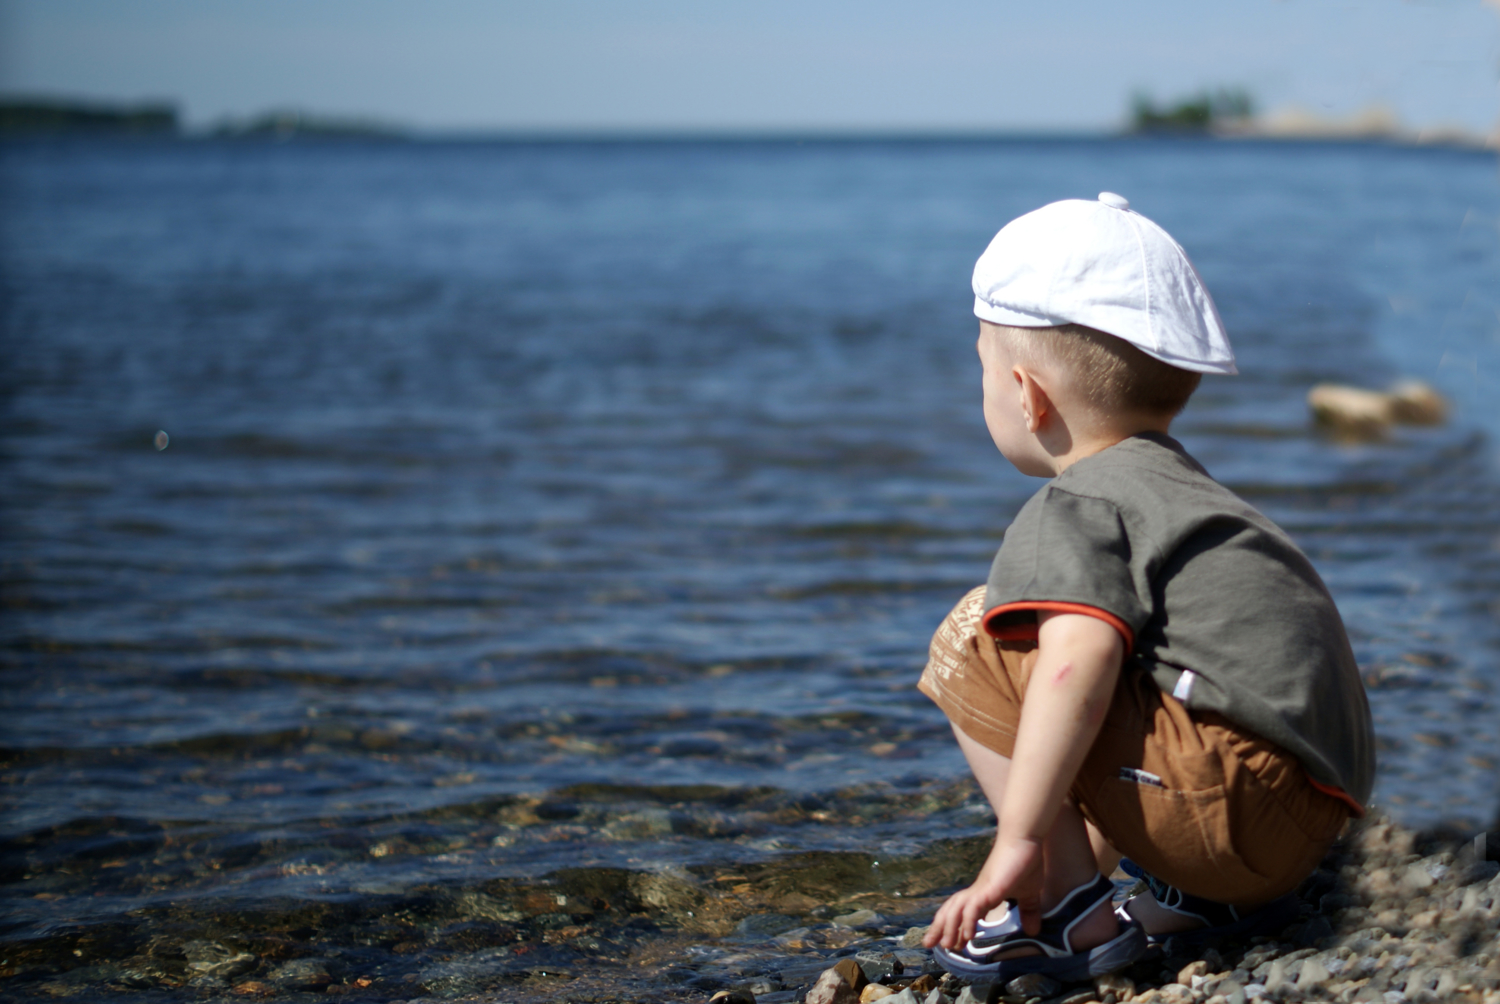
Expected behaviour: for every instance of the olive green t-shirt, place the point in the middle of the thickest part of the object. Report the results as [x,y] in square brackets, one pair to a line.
[1219,605]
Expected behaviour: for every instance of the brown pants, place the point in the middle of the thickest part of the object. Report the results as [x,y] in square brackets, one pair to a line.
[1196,801]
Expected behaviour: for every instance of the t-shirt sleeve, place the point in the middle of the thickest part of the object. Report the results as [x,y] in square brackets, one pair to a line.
[1068,552]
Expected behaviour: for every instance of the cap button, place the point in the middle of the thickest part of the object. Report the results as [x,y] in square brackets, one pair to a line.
[1114,201]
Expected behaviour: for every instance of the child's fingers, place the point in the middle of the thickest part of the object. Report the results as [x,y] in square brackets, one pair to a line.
[941,933]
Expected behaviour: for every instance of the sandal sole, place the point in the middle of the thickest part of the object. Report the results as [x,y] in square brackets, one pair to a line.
[1110,957]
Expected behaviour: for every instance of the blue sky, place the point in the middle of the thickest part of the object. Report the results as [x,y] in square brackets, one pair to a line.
[767,64]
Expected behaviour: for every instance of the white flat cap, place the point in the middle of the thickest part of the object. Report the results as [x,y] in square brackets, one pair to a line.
[1105,266]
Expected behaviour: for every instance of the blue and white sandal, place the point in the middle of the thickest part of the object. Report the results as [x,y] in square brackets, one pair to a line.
[1058,959]
[1219,920]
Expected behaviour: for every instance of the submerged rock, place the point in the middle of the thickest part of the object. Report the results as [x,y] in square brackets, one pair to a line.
[303,974]
[215,961]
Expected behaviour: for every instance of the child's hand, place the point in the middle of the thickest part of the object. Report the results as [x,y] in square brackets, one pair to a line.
[1012,871]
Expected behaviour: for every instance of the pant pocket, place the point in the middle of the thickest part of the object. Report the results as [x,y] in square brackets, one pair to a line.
[1171,816]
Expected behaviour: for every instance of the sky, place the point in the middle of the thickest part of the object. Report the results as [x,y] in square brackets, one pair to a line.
[738,65]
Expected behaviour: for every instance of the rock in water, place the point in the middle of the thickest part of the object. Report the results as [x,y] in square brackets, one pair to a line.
[732,997]
[303,974]
[209,958]
[914,935]
[853,974]
[1415,403]
[1365,414]
[875,992]
[904,997]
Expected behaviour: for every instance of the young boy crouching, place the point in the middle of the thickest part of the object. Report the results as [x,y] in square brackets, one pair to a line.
[1153,669]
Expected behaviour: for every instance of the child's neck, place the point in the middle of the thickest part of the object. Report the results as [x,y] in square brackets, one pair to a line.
[1096,440]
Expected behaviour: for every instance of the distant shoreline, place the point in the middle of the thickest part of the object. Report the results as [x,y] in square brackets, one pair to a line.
[29,118]
[687,138]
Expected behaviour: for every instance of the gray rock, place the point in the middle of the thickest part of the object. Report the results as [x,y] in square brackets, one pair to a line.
[303,974]
[979,993]
[1313,974]
[760,985]
[903,996]
[936,997]
[1077,997]
[878,965]
[860,919]
[914,935]
[1033,985]
[913,959]
[1314,930]
[1478,871]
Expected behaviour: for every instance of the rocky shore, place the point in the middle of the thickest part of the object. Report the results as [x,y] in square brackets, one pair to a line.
[1385,919]
[1392,916]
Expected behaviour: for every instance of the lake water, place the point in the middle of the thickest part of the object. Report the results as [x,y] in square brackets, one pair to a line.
[573,505]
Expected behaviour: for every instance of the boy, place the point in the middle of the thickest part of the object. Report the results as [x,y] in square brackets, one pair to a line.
[1153,668]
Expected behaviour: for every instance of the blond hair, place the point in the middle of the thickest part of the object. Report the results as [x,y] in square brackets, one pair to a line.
[1113,376]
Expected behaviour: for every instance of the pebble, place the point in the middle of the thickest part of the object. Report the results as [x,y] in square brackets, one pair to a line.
[1033,985]
[215,961]
[859,918]
[914,935]
[303,974]
[832,988]
[976,994]
[1123,987]
[732,997]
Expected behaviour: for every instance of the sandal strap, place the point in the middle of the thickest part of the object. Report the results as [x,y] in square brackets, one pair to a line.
[1056,936]
[1169,897]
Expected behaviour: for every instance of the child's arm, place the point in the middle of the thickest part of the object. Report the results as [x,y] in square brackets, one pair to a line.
[1071,686]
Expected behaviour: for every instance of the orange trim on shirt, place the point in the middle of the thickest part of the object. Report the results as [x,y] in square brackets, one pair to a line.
[1028,632]
[1340,794]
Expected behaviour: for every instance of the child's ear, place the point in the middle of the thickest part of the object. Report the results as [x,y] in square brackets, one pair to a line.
[1036,405]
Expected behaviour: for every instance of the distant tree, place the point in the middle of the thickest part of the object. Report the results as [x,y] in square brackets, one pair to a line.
[30,115]
[1196,114]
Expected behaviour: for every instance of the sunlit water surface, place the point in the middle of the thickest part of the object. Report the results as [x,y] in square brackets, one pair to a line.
[540,506]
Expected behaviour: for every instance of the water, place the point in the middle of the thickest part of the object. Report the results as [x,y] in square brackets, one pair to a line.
[589,506]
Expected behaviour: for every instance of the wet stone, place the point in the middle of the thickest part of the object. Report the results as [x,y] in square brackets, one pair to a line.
[211,960]
[832,988]
[303,974]
[1076,997]
[978,993]
[1033,985]
[762,926]
[877,966]
[862,919]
